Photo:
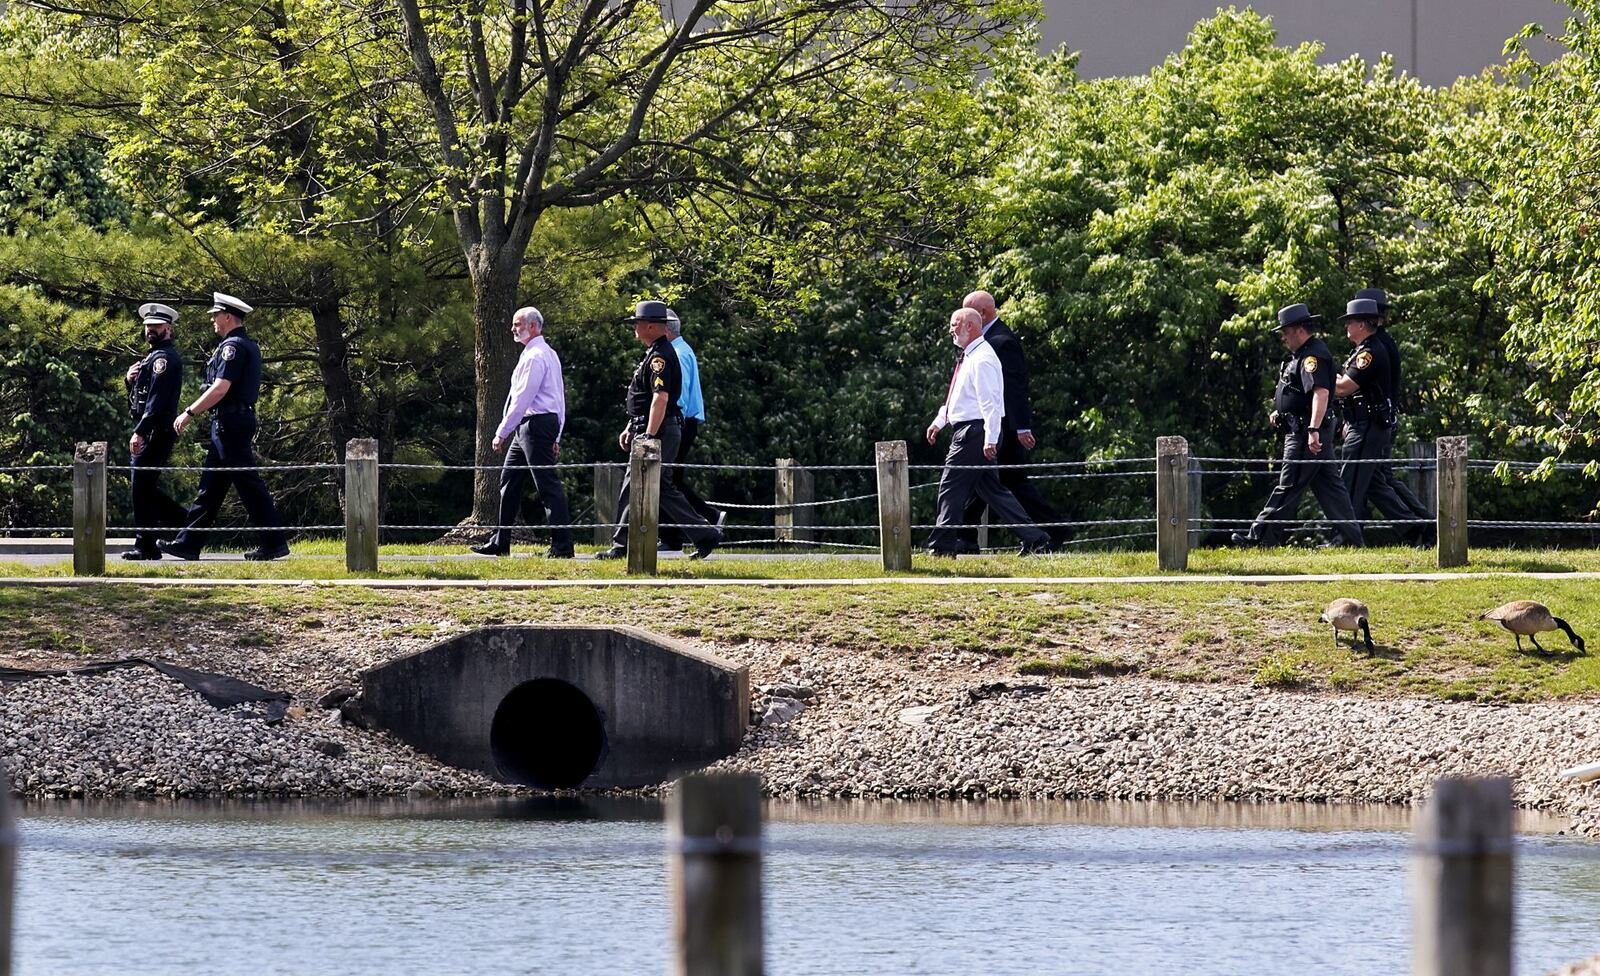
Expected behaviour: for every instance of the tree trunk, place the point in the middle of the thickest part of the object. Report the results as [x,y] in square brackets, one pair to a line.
[333,361]
[494,301]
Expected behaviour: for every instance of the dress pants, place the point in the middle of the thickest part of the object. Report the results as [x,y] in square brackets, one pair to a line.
[1293,480]
[1376,482]
[674,537]
[232,446]
[1016,480]
[958,485]
[533,443]
[675,509]
[151,505]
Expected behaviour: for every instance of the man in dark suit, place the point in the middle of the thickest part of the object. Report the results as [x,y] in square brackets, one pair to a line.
[1016,427]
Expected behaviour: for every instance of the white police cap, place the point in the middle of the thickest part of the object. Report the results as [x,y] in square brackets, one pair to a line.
[155,313]
[227,303]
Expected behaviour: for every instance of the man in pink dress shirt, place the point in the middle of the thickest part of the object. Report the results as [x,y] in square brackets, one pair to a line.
[535,415]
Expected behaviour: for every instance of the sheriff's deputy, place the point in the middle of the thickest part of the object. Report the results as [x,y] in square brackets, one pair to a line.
[1301,410]
[233,382]
[154,384]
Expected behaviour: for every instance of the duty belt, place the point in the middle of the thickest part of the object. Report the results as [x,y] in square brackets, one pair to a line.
[233,409]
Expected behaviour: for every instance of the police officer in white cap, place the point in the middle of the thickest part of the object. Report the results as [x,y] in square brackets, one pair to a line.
[233,378]
[154,384]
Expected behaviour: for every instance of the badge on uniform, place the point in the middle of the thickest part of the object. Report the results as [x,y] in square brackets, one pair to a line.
[227,352]
[657,364]
[1363,359]
[159,366]
[1309,364]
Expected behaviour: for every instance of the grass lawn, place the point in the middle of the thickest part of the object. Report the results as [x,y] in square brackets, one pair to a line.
[1429,640]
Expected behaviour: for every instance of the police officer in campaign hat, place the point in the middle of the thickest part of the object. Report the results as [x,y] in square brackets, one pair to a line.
[154,384]
[233,381]
[1367,402]
[1383,476]
[1301,409]
[653,411]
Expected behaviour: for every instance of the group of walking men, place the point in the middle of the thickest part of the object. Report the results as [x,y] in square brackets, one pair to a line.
[987,407]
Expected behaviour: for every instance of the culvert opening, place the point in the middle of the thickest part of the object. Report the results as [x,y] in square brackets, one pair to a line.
[546,733]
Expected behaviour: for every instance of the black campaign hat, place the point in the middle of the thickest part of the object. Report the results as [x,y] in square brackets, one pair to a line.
[649,312]
[1296,314]
[1360,308]
[1376,295]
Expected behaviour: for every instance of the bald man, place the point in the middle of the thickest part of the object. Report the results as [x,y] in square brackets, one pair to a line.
[1016,428]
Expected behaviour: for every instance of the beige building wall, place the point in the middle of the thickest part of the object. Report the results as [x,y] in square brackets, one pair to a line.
[1436,40]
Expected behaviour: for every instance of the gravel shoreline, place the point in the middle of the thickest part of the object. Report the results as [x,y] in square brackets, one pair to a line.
[841,724]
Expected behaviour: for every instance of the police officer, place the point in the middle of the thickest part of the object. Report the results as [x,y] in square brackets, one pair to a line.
[154,383]
[233,381]
[1301,410]
[1367,402]
[653,411]
[1383,475]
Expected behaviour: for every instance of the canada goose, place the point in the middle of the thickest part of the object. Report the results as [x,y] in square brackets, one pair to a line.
[1525,618]
[1351,615]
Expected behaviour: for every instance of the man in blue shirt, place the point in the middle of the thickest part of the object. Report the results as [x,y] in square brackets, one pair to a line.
[692,403]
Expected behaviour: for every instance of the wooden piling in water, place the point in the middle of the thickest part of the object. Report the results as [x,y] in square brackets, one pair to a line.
[715,824]
[1461,907]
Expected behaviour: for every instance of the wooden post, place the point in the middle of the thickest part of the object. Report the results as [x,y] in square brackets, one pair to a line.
[1451,517]
[983,529]
[8,871]
[361,505]
[644,504]
[1424,487]
[89,509]
[607,486]
[1461,909]
[1172,503]
[716,875]
[894,505]
[793,484]
[1197,475]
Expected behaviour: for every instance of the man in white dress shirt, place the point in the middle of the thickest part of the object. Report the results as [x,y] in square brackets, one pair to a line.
[973,408]
[535,415]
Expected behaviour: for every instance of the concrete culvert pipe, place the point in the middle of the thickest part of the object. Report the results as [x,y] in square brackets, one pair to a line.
[546,733]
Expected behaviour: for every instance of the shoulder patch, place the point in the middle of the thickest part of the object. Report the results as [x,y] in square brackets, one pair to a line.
[1309,364]
[159,366]
[657,364]
[228,351]
[1363,359]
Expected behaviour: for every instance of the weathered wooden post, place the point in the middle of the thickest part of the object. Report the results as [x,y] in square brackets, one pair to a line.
[8,871]
[1461,909]
[607,486]
[1422,455]
[361,505]
[793,485]
[1197,474]
[716,875]
[894,505]
[1451,518]
[1172,503]
[983,529]
[89,509]
[644,504]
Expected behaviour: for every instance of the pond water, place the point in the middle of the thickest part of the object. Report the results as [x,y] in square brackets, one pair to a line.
[580,886]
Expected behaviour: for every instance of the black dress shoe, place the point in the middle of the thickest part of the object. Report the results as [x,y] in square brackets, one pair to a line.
[942,553]
[1243,541]
[137,554]
[558,554]
[263,554]
[178,552]
[615,552]
[704,549]
[1036,548]
[490,549]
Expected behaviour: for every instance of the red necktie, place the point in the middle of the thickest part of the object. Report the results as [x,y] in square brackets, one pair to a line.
[951,389]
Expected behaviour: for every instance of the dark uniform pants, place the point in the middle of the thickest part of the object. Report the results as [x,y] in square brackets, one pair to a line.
[1016,481]
[691,430]
[958,485]
[533,443]
[675,508]
[232,446]
[152,506]
[1364,440]
[1293,480]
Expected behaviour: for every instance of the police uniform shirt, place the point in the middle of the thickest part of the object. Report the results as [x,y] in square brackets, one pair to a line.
[1368,367]
[1307,368]
[153,395]
[237,360]
[1392,350]
[658,372]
